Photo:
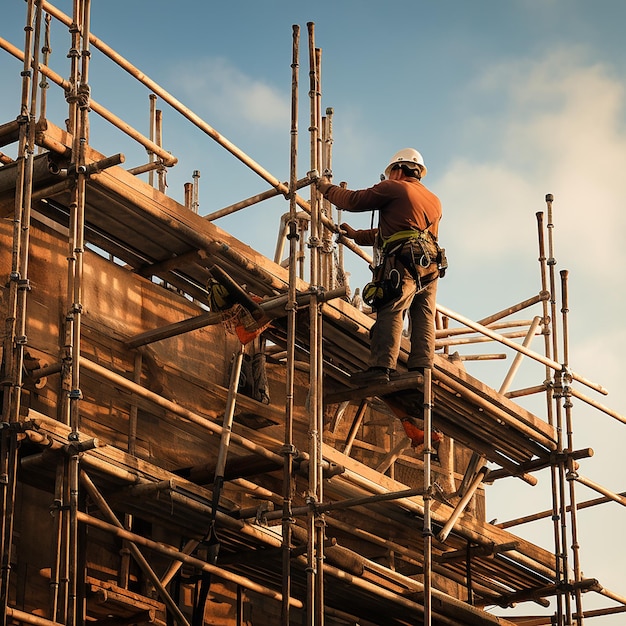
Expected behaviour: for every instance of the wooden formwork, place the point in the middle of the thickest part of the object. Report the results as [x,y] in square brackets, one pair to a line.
[156,489]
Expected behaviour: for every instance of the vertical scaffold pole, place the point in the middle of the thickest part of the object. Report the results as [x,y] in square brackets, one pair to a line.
[571,471]
[195,201]
[79,100]
[564,611]
[547,324]
[159,141]
[46,50]
[320,521]
[315,521]
[312,488]
[152,135]
[428,488]
[15,338]
[328,261]
[288,449]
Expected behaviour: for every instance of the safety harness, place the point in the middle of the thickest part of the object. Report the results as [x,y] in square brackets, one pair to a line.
[416,250]
[423,239]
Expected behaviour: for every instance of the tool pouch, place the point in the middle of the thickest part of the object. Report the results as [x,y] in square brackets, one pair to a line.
[385,287]
[442,261]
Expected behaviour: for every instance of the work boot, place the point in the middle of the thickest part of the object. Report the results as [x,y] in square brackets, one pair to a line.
[371,376]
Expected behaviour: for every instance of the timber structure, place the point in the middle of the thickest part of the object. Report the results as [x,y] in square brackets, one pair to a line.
[171,459]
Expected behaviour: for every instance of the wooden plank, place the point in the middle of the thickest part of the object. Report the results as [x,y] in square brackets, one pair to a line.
[479,430]
[454,373]
[485,534]
[119,601]
[455,415]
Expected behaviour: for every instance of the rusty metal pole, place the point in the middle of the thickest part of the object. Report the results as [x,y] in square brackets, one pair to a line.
[320,522]
[195,196]
[46,51]
[79,100]
[428,492]
[15,325]
[323,205]
[161,172]
[564,610]
[549,386]
[152,133]
[328,262]
[336,269]
[313,450]
[315,548]
[571,470]
[288,519]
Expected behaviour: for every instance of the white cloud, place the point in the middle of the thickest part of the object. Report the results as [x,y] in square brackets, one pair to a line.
[559,131]
[218,90]
[488,203]
[582,146]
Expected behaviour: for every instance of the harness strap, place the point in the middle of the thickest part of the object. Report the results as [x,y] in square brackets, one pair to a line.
[407,235]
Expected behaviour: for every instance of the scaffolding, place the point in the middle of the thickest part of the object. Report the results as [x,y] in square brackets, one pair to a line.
[139,416]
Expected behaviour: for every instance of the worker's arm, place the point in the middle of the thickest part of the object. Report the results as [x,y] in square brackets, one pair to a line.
[365,237]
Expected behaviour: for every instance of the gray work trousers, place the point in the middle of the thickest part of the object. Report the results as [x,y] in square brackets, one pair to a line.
[386,333]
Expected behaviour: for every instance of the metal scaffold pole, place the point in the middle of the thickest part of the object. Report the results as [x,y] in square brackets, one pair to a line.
[15,338]
[288,519]
[547,334]
[320,521]
[78,99]
[328,261]
[571,471]
[560,487]
[428,490]
[315,520]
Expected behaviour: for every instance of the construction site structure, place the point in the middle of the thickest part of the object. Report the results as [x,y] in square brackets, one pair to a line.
[181,440]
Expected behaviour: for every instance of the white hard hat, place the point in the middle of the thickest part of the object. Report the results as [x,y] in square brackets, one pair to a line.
[407,156]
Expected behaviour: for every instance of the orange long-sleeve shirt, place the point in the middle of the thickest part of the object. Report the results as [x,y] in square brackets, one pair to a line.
[403,205]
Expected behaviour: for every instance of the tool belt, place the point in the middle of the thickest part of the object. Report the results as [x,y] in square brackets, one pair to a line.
[415,251]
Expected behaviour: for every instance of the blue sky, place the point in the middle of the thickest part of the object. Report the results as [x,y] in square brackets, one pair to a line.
[507,101]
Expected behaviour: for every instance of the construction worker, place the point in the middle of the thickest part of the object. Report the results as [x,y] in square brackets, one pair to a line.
[409,259]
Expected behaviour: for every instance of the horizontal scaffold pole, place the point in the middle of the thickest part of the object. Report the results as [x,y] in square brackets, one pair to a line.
[511,344]
[172,553]
[28,618]
[176,409]
[266,195]
[599,488]
[165,156]
[540,297]
[597,405]
[273,307]
[544,514]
